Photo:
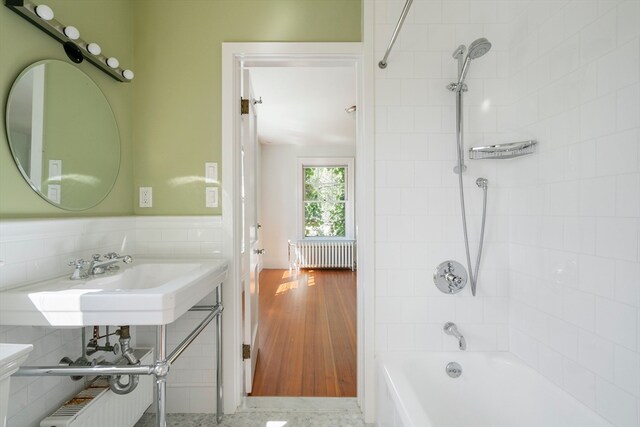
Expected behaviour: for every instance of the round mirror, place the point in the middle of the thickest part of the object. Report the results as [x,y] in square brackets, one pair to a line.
[63,135]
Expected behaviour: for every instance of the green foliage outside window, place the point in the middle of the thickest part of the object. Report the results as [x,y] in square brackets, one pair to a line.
[325,195]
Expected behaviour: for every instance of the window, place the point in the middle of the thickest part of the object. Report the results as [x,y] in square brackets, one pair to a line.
[327,198]
[325,195]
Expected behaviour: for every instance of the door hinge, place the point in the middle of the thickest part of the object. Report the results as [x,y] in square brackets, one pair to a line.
[246,351]
[244,106]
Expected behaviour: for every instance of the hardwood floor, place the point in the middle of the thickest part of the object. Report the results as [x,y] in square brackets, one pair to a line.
[307,334]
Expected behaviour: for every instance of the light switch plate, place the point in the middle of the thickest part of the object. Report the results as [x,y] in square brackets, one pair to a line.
[211,173]
[55,170]
[211,199]
[146,197]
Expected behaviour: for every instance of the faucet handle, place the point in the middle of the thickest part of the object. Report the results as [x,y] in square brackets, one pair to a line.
[78,272]
[127,259]
[78,263]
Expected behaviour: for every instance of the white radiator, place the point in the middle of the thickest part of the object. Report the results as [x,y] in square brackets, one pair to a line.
[322,254]
[97,406]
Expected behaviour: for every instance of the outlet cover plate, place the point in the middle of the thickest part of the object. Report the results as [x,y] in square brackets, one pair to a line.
[146,197]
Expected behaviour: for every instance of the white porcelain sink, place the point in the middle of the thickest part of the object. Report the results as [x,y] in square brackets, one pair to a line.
[146,292]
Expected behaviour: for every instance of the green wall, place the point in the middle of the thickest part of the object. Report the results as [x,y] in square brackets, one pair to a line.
[109,23]
[170,116]
[177,91]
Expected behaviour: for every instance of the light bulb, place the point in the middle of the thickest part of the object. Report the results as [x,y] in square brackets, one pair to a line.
[128,74]
[44,12]
[94,49]
[113,62]
[72,32]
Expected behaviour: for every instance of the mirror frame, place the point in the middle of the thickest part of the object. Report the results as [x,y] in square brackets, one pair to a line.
[25,176]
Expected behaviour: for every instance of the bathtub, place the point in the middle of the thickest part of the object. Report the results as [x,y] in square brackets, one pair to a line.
[494,390]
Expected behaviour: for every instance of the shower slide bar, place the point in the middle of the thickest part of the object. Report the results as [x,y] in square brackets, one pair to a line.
[383,62]
[160,369]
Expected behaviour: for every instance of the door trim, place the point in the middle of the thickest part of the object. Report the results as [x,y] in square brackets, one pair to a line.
[298,54]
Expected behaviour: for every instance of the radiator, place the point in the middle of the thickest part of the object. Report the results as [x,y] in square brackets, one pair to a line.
[322,254]
[97,406]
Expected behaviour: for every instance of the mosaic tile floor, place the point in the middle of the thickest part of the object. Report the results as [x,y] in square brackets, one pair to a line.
[260,419]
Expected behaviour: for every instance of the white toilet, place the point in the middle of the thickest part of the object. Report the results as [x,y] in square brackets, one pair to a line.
[11,357]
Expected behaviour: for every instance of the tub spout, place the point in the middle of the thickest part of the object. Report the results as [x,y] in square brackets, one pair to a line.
[450,328]
[462,343]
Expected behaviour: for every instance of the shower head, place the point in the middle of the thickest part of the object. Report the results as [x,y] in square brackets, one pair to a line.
[479,48]
[476,49]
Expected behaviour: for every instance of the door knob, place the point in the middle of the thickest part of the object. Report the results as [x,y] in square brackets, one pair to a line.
[259,251]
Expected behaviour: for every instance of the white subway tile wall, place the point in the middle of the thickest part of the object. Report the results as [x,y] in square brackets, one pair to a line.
[38,249]
[179,236]
[575,274]
[418,223]
[572,317]
[563,249]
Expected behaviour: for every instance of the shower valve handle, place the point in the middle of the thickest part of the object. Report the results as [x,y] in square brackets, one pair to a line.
[450,277]
[453,279]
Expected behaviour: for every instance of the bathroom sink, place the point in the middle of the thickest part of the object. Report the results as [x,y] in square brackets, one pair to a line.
[146,292]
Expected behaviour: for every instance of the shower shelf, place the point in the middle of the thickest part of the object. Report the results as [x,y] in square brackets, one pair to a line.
[503,151]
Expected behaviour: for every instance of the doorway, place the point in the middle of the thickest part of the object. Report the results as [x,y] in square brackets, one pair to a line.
[235,57]
[299,324]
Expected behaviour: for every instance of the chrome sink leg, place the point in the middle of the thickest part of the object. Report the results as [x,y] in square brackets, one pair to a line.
[219,402]
[161,376]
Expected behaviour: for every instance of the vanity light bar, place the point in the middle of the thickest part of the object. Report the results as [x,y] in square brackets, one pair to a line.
[46,22]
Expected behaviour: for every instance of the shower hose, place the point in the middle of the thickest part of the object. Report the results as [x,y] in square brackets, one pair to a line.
[482,183]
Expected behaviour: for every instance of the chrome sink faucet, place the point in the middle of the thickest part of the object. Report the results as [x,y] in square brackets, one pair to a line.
[97,266]
[450,328]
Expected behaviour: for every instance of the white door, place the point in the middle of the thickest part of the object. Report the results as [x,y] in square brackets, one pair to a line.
[250,252]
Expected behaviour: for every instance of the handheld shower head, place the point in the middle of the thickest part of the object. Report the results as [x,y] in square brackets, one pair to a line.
[476,49]
[479,48]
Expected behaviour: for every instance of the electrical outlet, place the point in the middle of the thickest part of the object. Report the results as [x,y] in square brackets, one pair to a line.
[146,197]
[211,197]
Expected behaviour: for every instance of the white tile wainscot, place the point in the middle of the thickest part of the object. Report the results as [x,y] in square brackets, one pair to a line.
[37,249]
[179,236]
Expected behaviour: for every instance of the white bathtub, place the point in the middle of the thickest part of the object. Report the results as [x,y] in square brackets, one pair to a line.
[494,390]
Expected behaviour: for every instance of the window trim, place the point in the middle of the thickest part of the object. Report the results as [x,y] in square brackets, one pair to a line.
[347,162]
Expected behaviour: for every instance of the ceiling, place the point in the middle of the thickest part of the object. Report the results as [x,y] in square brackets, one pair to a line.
[305,105]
